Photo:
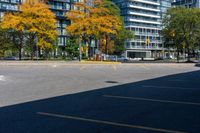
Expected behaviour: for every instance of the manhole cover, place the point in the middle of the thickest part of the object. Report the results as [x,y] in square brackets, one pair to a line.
[112,82]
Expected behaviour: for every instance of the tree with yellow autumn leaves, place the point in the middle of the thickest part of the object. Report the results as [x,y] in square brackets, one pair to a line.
[94,20]
[35,24]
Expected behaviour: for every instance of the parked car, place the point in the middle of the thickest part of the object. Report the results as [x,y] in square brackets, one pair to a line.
[122,59]
[111,57]
[10,58]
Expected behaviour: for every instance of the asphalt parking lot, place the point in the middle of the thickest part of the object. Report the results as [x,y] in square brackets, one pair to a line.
[98,98]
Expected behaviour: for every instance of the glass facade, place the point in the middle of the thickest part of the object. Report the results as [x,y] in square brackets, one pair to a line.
[9,5]
[187,3]
[60,7]
[144,17]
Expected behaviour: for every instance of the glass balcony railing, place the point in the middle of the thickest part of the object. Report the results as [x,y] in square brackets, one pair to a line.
[144,47]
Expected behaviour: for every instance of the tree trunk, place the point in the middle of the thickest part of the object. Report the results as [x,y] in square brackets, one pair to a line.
[106,49]
[39,51]
[89,48]
[20,48]
[177,55]
[20,45]
[20,52]
[80,52]
[32,53]
[33,45]
[188,50]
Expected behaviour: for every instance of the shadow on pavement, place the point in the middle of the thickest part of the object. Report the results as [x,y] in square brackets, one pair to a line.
[165,104]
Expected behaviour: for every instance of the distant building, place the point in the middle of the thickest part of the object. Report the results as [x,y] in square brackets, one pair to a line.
[9,5]
[144,17]
[187,3]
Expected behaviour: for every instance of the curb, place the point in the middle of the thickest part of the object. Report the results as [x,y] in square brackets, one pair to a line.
[54,63]
[99,62]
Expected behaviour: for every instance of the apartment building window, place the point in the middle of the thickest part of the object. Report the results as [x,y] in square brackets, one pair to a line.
[4,0]
[15,1]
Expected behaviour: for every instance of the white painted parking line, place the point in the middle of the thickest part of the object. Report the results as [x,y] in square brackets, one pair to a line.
[152,100]
[107,122]
[169,87]
[2,78]
[178,80]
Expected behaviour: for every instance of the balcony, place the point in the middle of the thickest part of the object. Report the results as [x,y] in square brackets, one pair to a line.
[147,2]
[144,14]
[144,21]
[143,8]
[146,35]
[143,27]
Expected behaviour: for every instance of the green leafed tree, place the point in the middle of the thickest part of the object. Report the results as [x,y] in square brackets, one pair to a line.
[182,28]
[5,42]
[121,40]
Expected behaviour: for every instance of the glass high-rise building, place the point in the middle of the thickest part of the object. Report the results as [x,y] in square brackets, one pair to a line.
[144,17]
[187,3]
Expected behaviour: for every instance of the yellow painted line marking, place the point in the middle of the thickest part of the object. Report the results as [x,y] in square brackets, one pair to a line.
[152,100]
[168,87]
[107,122]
